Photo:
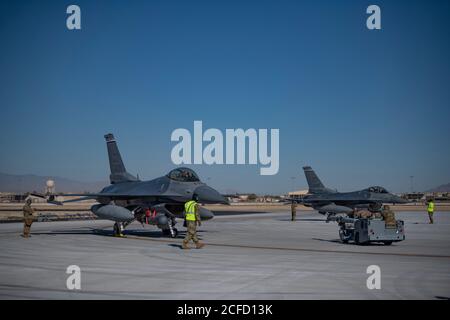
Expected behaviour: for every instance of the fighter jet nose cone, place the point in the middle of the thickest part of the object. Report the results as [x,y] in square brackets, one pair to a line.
[205,214]
[207,194]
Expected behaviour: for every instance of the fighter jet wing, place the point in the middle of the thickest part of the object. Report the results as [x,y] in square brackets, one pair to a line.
[90,196]
[290,201]
[116,195]
[338,198]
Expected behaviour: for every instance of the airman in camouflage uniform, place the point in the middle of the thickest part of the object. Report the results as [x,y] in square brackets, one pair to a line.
[27,218]
[293,210]
[365,214]
[192,219]
[389,217]
[362,214]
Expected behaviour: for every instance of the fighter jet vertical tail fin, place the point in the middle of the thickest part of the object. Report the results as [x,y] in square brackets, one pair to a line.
[314,183]
[118,171]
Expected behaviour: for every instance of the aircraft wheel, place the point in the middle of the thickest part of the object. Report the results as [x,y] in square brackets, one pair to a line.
[341,236]
[388,243]
[169,234]
[116,230]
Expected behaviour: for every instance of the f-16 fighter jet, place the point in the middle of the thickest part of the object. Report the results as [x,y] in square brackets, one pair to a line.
[331,202]
[157,202]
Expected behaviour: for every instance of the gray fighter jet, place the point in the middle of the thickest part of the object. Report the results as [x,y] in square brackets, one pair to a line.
[157,202]
[331,202]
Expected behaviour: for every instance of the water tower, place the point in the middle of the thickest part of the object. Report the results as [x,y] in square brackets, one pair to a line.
[50,187]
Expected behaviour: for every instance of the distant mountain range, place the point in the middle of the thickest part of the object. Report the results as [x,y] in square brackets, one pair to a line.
[29,183]
[442,188]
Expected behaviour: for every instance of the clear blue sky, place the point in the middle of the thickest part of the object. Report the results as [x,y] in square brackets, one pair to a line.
[361,107]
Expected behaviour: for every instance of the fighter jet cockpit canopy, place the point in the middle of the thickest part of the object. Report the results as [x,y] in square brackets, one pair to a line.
[183,175]
[377,189]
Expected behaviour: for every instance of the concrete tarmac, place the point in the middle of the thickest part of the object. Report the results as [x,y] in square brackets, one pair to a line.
[247,256]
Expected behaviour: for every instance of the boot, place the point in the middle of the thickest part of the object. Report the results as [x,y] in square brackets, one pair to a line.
[199,245]
[184,246]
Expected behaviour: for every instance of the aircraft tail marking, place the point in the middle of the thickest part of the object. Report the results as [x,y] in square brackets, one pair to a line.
[314,183]
[118,171]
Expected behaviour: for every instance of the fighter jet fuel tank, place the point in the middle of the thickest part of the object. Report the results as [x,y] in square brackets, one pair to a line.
[334,208]
[112,212]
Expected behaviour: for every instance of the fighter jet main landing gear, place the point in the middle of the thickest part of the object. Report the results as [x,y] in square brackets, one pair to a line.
[118,229]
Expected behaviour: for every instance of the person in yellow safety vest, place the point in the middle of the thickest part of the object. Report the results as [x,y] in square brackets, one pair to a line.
[430,210]
[192,219]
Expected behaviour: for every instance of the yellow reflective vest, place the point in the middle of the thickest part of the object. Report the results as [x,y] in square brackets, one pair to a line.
[430,207]
[189,209]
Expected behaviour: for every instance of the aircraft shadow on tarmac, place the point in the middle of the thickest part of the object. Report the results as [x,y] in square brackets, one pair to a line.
[235,213]
[109,233]
[175,245]
[303,219]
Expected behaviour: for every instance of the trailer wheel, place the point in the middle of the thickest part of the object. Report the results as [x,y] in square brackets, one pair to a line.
[343,236]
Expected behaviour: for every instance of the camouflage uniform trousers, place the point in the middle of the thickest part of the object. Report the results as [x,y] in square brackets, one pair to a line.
[27,226]
[191,232]
[389,219]
[430,215]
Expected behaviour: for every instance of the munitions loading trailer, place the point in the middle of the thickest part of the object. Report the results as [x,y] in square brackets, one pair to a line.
[364,231]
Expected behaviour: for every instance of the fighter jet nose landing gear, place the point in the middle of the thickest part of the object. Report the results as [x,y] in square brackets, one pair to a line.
[171,231]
